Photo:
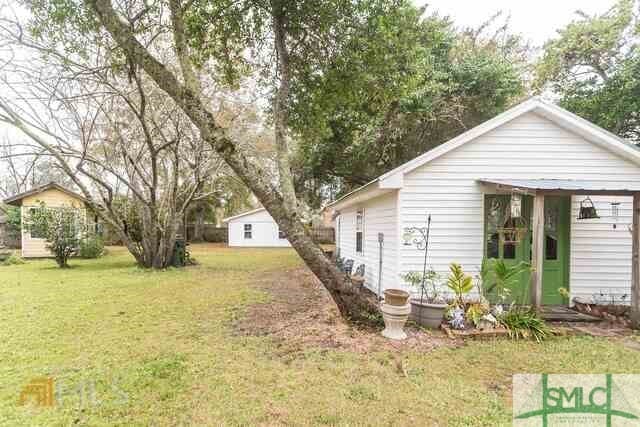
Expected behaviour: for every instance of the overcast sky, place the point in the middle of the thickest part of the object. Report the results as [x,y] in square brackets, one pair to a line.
[537,20]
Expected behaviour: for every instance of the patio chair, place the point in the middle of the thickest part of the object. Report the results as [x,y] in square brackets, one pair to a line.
[348,267]
[358,277]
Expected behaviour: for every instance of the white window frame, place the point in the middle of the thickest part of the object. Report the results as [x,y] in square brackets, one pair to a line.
[360,227]
[246,230]
[281,235]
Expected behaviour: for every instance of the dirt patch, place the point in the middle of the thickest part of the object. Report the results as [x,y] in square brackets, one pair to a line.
[302,315]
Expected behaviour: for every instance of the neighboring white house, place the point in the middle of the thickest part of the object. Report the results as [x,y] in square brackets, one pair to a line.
[255,228]
[540,152]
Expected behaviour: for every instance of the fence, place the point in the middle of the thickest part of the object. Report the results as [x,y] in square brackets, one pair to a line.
[213,234]
[324,235]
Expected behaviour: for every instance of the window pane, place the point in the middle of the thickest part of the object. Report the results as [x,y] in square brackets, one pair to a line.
[247,227]
[281,235]
[493,246]
[509,251]
[359,241]
[551,248]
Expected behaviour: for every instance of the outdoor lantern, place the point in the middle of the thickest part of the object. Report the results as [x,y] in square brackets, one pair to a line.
[516,205]
[587,209]
[407,236]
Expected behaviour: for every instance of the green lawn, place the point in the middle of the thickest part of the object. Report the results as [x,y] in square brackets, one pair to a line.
[158,348]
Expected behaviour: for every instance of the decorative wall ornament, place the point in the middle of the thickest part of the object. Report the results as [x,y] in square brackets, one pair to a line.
[587,209]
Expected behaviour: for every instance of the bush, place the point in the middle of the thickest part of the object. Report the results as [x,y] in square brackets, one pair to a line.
[525,323]
[13,259]
[91,247]
[61,227]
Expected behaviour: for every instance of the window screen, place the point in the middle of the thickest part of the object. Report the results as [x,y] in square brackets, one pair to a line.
[359,231]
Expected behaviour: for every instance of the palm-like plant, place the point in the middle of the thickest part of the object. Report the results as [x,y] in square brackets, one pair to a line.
[460,283]
[502,277]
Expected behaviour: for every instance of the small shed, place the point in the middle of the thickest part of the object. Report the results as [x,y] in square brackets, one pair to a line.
[53,196]
[255,228]
[536,164]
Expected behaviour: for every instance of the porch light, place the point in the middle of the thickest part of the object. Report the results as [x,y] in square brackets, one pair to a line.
[587,209]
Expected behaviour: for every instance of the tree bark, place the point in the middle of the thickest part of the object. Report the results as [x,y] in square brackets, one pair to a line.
[351,301]
[281,105]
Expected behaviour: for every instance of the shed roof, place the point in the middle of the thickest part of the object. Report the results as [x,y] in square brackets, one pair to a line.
[591,132]
[17,199]
[243,214]
[564,186]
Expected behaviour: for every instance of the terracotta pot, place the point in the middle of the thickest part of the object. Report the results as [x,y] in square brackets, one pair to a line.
[396,297]
[427,314]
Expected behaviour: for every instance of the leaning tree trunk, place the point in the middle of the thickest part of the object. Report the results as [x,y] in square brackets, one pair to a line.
[351,301]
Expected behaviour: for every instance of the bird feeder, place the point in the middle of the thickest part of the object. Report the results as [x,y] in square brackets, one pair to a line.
[587,209]
[514,228]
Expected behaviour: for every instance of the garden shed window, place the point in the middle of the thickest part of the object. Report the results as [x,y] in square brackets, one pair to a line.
[359,230]
[282,234]
[247,231]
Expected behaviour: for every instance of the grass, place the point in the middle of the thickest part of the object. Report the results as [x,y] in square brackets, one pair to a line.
[131,347]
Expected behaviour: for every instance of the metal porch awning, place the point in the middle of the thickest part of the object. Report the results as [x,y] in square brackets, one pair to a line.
[564,186]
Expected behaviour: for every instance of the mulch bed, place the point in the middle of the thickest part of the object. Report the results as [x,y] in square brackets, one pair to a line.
[301,315]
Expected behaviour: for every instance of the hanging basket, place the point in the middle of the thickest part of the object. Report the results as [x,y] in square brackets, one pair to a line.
[587,209]
[512,235]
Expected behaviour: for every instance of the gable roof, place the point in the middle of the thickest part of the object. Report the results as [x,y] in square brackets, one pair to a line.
[17,199]
[597,135]
[243,214]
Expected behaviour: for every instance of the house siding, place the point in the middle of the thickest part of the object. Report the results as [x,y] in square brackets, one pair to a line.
[36,248]
[380,216]
[264,231]
[528,147]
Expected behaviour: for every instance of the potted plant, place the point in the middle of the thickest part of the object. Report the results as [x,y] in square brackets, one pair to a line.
[427,310]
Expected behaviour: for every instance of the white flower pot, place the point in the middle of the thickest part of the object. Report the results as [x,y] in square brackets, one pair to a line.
[394,319]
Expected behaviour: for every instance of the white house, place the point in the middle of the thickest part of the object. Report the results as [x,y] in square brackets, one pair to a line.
[549,158]
[255,228]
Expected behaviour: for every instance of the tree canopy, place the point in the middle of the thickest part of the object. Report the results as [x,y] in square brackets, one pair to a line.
[401,83]
[594,67]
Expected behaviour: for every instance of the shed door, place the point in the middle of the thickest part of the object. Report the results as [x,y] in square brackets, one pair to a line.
[557,211]
[510,253]
[556,263]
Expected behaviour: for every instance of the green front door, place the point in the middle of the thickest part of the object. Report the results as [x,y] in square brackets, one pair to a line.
[555,274]
[556,251]
[496,207]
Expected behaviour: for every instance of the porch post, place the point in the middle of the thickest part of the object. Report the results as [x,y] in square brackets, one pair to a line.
[537,250]
[635,263]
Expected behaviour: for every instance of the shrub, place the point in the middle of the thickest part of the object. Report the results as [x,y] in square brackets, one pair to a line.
[61,227]
[91,247]
[524,322]
[13,259]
